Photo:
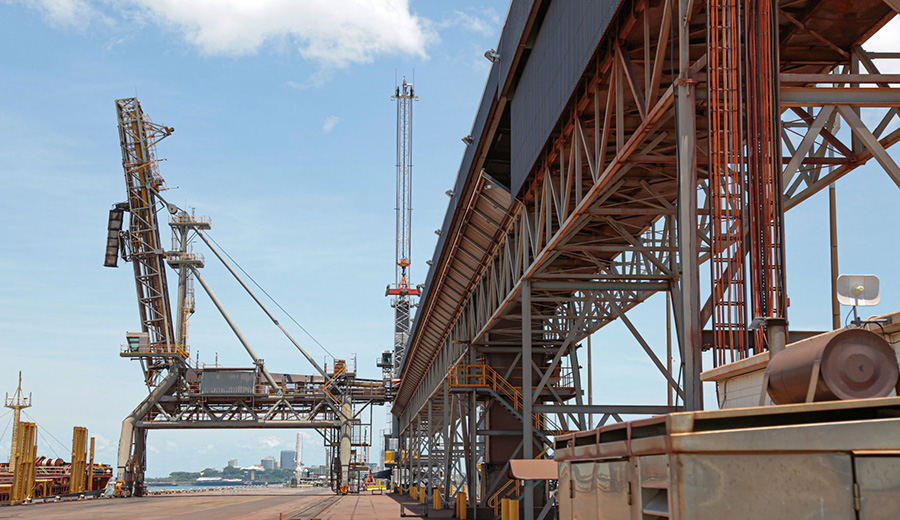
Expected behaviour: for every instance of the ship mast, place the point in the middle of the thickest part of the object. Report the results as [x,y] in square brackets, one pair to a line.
[17,403]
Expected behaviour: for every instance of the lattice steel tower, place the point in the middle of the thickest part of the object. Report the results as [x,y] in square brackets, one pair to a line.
[404,95]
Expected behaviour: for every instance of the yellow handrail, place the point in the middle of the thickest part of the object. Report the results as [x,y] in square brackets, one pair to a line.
[338,372]
[506,490]
[473,376]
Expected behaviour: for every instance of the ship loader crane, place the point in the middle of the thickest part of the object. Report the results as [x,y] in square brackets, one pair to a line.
[183,393]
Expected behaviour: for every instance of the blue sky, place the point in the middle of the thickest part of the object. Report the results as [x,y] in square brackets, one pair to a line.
[285,137]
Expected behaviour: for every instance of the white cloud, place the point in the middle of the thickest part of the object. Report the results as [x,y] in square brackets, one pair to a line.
[332,33]
[270,442]
[102,443]
[486,23]
[319,78]
[329,123]
[74,13]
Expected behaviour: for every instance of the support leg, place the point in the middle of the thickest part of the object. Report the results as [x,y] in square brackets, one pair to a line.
[124,476]
[527,398]
[346,446]
[686,127]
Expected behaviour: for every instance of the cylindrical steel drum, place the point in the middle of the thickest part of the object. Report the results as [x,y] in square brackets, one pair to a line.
[854,364]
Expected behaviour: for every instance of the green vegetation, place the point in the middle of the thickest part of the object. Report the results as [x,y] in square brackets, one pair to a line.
[177,477]
[276,476]
[231,472]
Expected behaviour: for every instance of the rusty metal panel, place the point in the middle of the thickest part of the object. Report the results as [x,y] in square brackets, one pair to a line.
[654,471]
[584,499]
[564,491]
[810,486]
[653,482]
[612,490]
[878,478]
[227,382]
[878,434]
[534,469]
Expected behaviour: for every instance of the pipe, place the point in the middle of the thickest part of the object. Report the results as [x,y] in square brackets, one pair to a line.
[261,306]
[833,238]
[236,330]
[128,424]
[776,334]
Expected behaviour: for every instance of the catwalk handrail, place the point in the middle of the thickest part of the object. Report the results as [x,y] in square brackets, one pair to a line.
[508,490]
[484,376]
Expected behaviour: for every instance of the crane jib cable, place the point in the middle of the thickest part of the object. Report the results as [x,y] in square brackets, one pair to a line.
[41,435]
[2,435]
[268,295]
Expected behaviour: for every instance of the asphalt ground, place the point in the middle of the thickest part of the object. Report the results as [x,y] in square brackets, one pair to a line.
[262,504]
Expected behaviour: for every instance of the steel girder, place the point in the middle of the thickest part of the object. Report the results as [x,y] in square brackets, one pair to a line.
[613,215]
[600,215]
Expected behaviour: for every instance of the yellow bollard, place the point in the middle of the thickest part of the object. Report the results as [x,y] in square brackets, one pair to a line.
[461,505]
[509,509]
[412,492]
[423,493]
[437,499]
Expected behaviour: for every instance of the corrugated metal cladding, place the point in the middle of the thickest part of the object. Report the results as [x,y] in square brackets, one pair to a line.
[569,35]
[516,18]
[231,382]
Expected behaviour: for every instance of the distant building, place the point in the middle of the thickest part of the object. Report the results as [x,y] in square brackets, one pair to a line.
[288,457]
[232,463]
[268,463]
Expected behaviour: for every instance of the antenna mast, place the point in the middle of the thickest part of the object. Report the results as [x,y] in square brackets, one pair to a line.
[404,95]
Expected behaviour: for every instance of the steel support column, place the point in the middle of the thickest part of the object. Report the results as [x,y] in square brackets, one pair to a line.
[688,248]
[473,453]
[430,469]
[527,399]
[447,432]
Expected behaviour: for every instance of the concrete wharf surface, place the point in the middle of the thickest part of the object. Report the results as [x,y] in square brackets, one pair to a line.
[267,504]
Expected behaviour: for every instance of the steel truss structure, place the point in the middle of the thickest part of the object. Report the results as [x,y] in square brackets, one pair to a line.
[138,137]
[185,394]
[617,208]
